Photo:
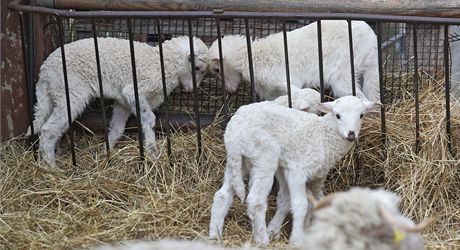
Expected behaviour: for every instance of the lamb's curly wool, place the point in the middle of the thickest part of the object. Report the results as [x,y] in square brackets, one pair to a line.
[50,110]
[353,221]
[269,62]
[264,136]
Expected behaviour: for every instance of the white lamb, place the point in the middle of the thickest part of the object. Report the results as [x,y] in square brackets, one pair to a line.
[361,218]
[168,244]
[264,136]
[269,62]
[50,110]
[301,99]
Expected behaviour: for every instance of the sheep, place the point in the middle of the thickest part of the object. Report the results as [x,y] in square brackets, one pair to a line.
[301,99]
[269,62]
[361,218]
[455,54]
[167,244]
[262,136]
[50,119]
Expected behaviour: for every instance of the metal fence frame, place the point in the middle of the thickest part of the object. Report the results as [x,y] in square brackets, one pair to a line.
[25,11]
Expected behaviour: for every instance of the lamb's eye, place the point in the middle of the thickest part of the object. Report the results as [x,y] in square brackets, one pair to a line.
[197,68]
[338,116]
[217,70]
[361,116]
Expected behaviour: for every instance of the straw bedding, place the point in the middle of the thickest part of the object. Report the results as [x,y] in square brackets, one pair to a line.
[111,199]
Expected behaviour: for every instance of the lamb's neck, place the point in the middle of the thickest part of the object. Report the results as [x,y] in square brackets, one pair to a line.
[171,57]
[239,60]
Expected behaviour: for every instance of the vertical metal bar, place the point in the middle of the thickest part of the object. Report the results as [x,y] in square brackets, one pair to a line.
[195,100]
[352,60]
[221,66]
[447,79]
[31,48]
[66,85]
[101,90]
[416,90]
[286,61]
[29,84]
[320,58]
[140,135]
[163,81]
[381,84]
[251,65]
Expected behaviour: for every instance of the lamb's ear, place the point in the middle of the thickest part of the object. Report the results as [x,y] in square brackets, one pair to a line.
[325,107]
[215,60]
[372,106]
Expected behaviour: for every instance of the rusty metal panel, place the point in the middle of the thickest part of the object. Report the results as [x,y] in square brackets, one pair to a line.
[13,99]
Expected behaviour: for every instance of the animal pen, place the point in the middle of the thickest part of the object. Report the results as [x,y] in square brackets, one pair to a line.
[411,147]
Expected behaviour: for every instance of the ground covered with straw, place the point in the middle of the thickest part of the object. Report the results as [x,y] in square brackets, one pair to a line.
[111,199]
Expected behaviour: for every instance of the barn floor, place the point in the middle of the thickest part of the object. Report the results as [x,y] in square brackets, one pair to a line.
[107,200]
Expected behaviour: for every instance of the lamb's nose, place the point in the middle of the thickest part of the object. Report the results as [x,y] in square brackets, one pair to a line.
[351,136]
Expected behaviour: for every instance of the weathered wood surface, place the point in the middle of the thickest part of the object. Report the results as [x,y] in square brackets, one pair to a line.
[444,8]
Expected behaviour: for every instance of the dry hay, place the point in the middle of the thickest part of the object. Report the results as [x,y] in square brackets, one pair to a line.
[109,200]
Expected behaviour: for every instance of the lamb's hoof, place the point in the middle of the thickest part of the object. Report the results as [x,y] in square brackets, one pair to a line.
[151,149]
[262,241]
[296,241]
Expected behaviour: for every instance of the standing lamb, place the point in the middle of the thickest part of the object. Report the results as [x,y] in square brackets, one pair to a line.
[362,219]
[50,110]
[264,136]
[269,63]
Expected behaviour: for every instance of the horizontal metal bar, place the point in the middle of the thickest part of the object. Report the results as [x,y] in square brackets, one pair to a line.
[19,6]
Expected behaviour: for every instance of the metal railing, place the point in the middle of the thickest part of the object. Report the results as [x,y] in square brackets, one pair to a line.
[218,16]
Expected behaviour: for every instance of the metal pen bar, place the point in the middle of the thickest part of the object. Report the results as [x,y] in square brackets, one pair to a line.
[416,91]
[251,63]
[195,86]
[447,79]
[29,84]
[286,61]
[320,58]
[66,86]
[381,84]
[163,81]
[101,89]
[352,60]
[140,135]
[222,73]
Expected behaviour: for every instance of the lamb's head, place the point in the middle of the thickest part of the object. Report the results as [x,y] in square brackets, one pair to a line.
[369,215]
[348,112]
[233,75]
[201,62]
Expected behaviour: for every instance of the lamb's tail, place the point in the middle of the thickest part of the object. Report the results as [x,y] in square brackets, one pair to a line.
[235,164]
[42,108]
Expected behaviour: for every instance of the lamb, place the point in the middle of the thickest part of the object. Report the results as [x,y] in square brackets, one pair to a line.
[168,244]
[301,99]
[269,62]
[361,218]
[50,119]
[262,136]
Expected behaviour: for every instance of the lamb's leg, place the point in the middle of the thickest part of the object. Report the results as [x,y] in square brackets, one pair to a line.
[55,126]
[299,204]
[283,204]
[316,187]
[223,199]
[147,118]
[120,115]
[257,205]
